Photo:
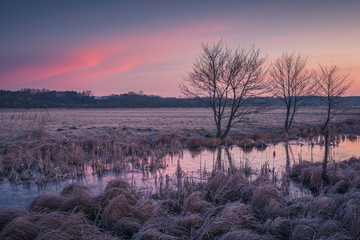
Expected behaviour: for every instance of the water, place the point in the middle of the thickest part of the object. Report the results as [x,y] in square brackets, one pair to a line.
[193,164]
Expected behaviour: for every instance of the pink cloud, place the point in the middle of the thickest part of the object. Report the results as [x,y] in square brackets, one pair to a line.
[94,61]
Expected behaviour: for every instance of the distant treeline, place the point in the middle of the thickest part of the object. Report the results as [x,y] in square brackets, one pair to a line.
[36,98]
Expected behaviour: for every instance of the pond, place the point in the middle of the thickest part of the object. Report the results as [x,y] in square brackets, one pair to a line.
[195,165]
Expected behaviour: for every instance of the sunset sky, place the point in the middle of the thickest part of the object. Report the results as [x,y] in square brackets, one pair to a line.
[112,47]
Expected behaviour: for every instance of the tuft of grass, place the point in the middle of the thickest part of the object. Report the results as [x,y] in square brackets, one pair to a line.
[305,228]
[341,187]
[118,183]
[196,204]
[8,214]
[247,143]
[329,229]
[232,217]
[351,218]
[325,206]
[264,194]
[212,143]
[22,227]
[75,188]
[167,207]
[235,187]
[281,228]
[46,203]
[196,142]
[118,208]
[243,234]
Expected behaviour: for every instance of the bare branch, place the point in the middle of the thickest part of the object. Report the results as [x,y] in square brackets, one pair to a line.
[291,83]
[224,79]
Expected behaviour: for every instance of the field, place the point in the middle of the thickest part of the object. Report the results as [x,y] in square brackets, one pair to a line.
[75,122]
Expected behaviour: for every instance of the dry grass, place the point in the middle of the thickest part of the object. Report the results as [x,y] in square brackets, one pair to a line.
[232,217]
[46,203]
[242,234]
[196,142]
[227,206]
[264,194]
[247,143]
[281,228]
[325,206]
[7,215]
[195,203]
[45,158]
[329,229]
[22,227]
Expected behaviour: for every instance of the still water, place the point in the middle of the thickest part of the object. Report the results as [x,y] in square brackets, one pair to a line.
[195,165]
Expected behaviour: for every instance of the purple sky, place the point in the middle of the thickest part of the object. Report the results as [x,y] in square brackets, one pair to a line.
[119,46]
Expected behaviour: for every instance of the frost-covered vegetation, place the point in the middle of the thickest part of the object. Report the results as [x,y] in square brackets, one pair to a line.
[227,206]
[37,150]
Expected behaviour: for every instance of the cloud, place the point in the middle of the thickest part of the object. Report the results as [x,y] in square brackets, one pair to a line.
[102,56]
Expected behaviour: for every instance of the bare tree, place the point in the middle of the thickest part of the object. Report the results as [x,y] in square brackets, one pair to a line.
[225,80]
[291,83]
[332,86]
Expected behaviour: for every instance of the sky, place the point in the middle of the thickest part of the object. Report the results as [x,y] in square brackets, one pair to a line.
[117,46]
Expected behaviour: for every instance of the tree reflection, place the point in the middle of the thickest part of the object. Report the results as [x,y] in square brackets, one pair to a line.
[219,164]
[286,176]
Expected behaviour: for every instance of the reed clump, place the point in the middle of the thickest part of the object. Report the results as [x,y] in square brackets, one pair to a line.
[45,158]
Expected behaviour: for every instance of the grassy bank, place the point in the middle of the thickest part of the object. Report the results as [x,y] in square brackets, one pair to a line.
[227,206]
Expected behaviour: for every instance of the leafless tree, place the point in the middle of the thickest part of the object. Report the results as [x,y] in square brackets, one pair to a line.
[291,83]
[225,80]
[332,84]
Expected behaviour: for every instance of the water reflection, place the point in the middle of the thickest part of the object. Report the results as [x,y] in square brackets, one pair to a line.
[197,165]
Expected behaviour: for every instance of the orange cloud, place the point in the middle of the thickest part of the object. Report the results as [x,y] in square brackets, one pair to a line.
[102,56]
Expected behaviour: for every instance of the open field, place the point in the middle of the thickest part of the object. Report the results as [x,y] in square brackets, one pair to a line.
[77,122]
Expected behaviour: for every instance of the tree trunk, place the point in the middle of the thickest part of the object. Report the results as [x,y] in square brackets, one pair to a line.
[218,165]
[231,165]
[227,130]
[218,126]
[324,175]
[286,182]
[287,119]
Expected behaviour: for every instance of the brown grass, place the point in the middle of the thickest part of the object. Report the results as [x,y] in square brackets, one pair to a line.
[233,217]
[8,214]
[227,206]
[46,203]
[118,208]
[281,228]
[247,143]
[195,203]
[328,229]
[242,234]
[22,227]
[236,188]
[196,142]
[341,187]
[325,206]
[264,194]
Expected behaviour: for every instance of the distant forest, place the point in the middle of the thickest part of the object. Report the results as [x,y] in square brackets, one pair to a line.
[43,98]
